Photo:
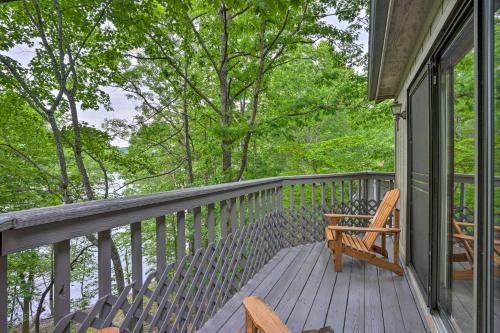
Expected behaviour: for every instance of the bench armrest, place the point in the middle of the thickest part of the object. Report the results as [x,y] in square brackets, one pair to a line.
[363,229]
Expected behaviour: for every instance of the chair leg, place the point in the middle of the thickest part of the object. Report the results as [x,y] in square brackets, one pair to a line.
[338,253]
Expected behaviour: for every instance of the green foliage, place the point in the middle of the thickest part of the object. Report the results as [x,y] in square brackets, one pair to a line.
[285,93]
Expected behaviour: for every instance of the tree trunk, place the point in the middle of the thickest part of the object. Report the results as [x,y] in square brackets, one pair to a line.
[63,169]
[27,297]
[224,95]
[185,117]
[77,150]
[255,101]
[77,146]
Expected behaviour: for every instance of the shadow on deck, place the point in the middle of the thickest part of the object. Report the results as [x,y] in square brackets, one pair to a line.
[300,284]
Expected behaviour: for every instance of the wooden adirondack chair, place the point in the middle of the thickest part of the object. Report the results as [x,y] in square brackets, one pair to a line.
[340,241]
[259,316]
[467,242]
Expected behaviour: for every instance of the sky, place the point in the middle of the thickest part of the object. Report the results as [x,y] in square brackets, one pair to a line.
[124,108]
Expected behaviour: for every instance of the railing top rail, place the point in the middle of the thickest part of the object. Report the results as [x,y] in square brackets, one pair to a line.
[35,227]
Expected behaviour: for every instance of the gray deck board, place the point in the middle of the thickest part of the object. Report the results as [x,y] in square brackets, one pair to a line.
[321,303]
[393,319]
[355,312]
[301,285]
[298,317]
[374,319]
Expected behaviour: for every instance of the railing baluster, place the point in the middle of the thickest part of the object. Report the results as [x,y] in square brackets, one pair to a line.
[360,190]
[257,206]
[313,196]
[223,219]
[323,199]
[270,200]
[342,194]
[292,197]
[365,188]
[104,266]
[211,222]
[197,228]
[302,195]
[280,198]
[242,211]
[136,254]
[333,195]
[233,215]
[181,235]
[350,191]
[263,206]
[250,208]
[136,245]
[161,245]
[62,280]
[377,190]
[462,196]
[3,294]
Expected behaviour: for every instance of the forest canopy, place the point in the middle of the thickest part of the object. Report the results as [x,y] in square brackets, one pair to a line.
[223,91]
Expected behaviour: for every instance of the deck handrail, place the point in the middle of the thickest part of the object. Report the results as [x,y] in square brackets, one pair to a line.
[99,215]
[240,205]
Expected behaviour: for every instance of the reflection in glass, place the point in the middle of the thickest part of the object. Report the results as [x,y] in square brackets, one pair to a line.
[457,168]
[462,219]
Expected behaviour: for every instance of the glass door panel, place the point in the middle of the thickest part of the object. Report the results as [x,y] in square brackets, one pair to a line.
[457,167]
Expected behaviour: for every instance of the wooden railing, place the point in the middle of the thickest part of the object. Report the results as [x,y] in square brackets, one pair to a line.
[237,228]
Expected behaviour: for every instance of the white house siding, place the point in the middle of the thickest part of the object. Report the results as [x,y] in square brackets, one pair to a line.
[428,36]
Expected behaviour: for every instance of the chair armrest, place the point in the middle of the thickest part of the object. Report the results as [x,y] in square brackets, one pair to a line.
[472,225]
[262,317]
[470,238]
[350,216]
[363,229]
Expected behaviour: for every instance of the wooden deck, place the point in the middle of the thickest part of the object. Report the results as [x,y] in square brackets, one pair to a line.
[303,288]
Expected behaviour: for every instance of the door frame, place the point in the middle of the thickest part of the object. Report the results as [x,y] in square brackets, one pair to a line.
[423,73]
[458,15]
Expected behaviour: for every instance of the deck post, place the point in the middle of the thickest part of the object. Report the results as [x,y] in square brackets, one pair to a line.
[136,252]
[62,281]
[104,266]
[3,294]
[161,245]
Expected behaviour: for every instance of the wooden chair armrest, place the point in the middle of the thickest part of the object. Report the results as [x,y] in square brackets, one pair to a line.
[262,317]
[471,238]
[350,216]
[472,225]
[364,229]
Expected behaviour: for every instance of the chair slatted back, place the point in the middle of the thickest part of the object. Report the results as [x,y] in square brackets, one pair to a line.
[382,215]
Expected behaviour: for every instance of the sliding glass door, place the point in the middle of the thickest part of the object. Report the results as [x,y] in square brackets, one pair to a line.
[457,169]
